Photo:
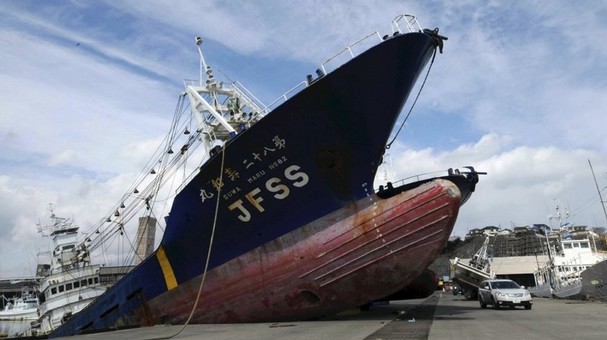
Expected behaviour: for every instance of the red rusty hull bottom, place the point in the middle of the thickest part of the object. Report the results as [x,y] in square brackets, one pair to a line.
[366,251]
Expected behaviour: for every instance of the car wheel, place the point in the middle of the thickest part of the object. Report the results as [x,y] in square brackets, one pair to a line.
[480,300]
[528,306]
[495,305]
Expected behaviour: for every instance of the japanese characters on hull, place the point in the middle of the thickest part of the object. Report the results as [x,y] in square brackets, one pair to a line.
[278,186]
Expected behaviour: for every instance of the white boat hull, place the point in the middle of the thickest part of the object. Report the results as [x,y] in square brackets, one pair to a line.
[22,315]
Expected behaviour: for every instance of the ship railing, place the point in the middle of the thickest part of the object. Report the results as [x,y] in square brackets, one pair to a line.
[249,98]
[407,20]
[335,61]
[192,82]
[286,95]
[349,52]
[420,177]
[401,24]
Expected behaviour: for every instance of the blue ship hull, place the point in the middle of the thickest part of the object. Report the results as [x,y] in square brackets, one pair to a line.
[310,162]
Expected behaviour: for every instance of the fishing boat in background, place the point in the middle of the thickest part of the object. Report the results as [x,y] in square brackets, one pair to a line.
[23,307]
[576,251]
[469,274]
[73,282]
[563,274]
[280,218]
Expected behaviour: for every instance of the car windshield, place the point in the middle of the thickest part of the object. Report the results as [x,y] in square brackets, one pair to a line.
[504,285]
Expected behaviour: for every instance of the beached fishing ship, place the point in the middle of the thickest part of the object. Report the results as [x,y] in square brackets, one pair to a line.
[23,307]
[280,219]
[573,269]
[73,282]
[575,273]
[469,274]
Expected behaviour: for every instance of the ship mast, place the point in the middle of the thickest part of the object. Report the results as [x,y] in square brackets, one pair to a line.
[198,103]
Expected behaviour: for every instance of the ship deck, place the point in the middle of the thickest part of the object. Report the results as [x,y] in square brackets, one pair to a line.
[441,316]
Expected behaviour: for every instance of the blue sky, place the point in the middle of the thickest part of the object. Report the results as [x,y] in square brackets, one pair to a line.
[87,91]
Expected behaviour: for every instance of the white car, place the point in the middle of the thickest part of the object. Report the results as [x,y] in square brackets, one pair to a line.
[503,292]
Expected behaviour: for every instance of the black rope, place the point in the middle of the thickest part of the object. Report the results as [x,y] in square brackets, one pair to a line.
[414,102]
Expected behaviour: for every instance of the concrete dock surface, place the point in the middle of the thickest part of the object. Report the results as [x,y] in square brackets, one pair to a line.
[440,316]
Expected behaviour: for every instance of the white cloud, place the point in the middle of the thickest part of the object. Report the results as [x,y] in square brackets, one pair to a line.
[64,157]
[522,71]
[521,183]
[304,31]
[74,107]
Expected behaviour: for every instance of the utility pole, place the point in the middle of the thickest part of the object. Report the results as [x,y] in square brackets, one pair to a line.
[598,190]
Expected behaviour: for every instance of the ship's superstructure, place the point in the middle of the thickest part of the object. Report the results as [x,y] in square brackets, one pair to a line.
[73,282]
